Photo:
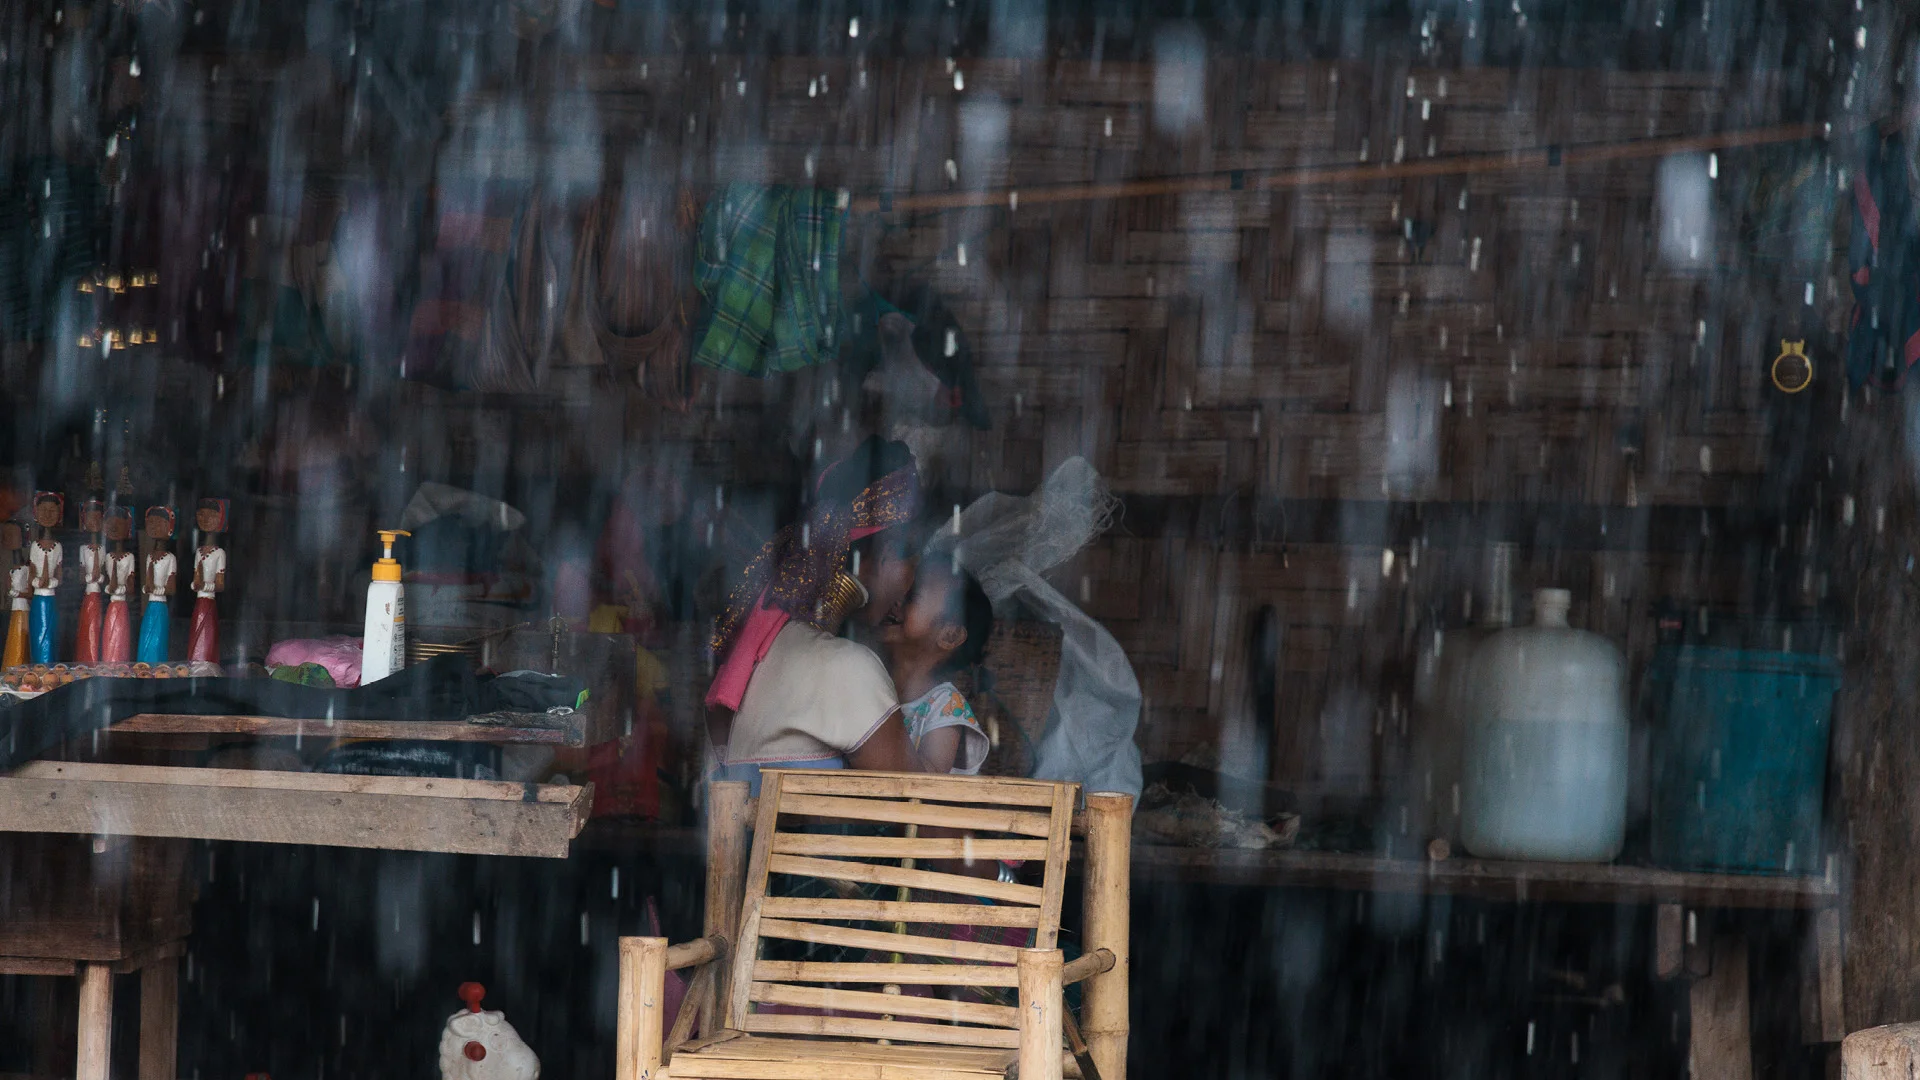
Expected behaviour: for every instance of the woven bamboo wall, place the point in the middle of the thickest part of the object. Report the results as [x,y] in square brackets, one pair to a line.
[1295,346]
[1534,350]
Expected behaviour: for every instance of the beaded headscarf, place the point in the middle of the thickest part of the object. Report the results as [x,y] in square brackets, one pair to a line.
[795,571]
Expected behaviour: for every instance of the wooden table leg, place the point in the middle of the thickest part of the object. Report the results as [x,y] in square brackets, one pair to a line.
[1722,1032]
[159,1018]
[96,1022]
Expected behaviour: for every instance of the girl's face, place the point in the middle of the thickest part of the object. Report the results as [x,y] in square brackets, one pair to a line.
[119,527]
[930,619]
[90,521]
[157,527]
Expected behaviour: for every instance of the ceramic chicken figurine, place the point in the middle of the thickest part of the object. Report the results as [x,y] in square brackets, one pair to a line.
[93,575]
[161,568]
[481,1045]
[116,639]
[44,556]
[209,578]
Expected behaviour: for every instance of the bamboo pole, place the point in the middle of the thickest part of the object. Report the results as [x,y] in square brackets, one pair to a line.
[1040,1012]
[640,1017]
[1541,157]
[1106,916]
[96,1023]
[160,1019]
[727,821]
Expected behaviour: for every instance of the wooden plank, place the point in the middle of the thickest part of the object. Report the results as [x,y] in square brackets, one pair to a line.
[474,817]
[867,1001]
[736,1069]
[1595,883]
[1721,1043]
[47,965]
[1890,1052]
[742,1047]
[416,786]
[969,789]
[160,1019]
[1669,936]
[902,974]
[905,944]
[1826,937]
[800,907]
[904,1030]
[929,880]
[900,847]
[747,949]
[571,730]
[907,813]
[1059,848]
[1087,965]
[95,1058]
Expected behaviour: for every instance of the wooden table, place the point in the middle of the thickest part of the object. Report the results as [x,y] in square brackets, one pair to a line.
[1718,998]
[109,801]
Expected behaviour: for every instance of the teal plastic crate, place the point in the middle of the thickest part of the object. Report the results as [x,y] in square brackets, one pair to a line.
[1738,758]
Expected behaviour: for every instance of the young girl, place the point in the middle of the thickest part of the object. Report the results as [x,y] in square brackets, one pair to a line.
[939,631]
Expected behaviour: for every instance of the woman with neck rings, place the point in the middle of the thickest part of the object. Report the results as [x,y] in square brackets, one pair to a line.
[788,691]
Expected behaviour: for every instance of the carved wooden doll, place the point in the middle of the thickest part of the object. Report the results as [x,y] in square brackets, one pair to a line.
[93,574]
[159,569]
[13,541]
[209,579]
[116,641]
[44,557]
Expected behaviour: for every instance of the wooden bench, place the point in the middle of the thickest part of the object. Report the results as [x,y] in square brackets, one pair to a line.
[910,997]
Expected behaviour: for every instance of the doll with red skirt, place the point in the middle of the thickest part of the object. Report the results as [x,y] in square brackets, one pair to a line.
[209,578]
[93,576]
[116,639]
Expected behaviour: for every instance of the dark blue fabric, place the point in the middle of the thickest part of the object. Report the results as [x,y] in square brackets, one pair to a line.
[1884,260]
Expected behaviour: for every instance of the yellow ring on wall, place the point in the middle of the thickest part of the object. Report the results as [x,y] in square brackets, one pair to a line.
[1791,350]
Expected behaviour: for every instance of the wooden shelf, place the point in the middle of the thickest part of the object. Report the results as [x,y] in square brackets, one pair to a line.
[581,728]
[397,813]
[1575,883]
[1579,883]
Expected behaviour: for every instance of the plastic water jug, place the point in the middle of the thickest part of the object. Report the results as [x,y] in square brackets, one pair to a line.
[1545,762]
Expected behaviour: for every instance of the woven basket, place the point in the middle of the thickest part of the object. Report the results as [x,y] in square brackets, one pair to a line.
[1022,665]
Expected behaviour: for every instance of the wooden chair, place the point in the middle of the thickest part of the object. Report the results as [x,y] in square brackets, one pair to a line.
[766,1018]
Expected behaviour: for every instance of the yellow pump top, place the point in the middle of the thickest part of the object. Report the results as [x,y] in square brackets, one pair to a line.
[387,568]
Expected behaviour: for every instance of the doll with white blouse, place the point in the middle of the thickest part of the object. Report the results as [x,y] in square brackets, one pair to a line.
[209,580]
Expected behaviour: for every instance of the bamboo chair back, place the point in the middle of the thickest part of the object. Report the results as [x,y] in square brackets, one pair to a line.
[968,817]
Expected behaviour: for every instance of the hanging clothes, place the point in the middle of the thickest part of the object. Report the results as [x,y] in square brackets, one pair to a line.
[768,268]
[1883,341]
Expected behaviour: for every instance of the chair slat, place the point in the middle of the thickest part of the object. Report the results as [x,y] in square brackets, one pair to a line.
[902,847]
[702,1067]
[901,1030]
[957,789]
[903,974]
[905,944]
[981,819]
[929,880]
[868,1001]
[801,907]
[1059,845]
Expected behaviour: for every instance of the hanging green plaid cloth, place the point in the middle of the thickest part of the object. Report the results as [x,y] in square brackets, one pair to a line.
[768,268]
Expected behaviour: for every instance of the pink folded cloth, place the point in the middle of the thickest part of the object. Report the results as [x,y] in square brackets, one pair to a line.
[340,655]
